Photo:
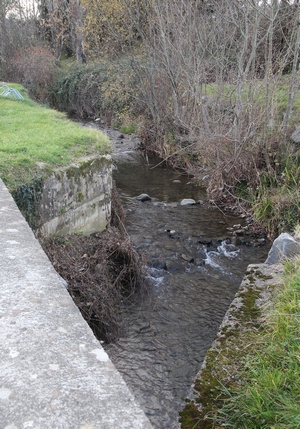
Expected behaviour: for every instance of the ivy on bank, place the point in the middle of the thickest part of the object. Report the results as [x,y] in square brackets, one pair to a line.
[27,198]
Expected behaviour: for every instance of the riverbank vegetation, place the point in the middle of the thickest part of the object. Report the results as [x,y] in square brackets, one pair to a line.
[102,271]
[212,86]
[267,393]
[251,376]
[36,139]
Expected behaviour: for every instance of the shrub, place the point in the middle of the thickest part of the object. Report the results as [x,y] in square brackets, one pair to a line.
[99,89]
[35,67]
[278,200]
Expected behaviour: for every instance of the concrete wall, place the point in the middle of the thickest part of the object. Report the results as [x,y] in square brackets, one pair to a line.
[222,363]
[77,199]
[54,374]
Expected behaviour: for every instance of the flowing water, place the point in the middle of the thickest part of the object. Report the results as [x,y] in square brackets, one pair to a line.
[193,273]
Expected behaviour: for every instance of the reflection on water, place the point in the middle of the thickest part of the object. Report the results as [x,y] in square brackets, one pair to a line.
[167,332]
[137,174]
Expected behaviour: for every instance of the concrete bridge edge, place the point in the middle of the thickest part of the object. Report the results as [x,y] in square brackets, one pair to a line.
[54,374]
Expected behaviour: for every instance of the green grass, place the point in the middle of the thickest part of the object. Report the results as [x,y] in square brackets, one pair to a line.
[269,394]
[256,90]
[128,129]
[32,135]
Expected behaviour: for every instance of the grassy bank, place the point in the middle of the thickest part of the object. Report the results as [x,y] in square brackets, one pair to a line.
[268,395]
[35,140]
[251,378]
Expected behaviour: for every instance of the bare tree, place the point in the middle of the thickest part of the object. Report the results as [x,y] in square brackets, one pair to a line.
[211,79]
[6,6]
[61,22]
[17,28]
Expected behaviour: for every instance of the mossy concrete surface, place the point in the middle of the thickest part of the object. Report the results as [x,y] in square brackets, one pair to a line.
[233,341]
[54,374]
[77,199]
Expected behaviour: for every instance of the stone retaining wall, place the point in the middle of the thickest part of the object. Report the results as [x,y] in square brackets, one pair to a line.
[77,199]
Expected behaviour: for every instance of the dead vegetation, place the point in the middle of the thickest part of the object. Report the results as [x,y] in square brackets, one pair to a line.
[102,270]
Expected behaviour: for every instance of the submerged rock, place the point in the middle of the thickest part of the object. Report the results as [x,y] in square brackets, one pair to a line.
[205,241]
[187,258]
[159,265]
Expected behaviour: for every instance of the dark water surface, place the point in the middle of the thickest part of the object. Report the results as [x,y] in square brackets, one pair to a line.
[167,333]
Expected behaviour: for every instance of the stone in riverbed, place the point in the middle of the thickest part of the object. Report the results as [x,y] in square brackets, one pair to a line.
[285,246]
[187,258]
[143,198]
[205,241]
[187,202]
[171,232]
[159,265]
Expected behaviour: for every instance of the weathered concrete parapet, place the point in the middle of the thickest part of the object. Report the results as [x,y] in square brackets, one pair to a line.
[252,299]
[77,199]
[54,374]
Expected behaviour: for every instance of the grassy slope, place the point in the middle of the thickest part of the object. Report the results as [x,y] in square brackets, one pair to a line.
[31,134]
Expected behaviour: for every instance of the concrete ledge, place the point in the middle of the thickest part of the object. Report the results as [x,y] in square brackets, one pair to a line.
[54,374]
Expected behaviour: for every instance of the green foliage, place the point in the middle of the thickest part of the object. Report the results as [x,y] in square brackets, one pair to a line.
[34,140]
[128,128]
[27,198]
[100,89]
[277,211]
[268,396]
[278,200]
[243,192]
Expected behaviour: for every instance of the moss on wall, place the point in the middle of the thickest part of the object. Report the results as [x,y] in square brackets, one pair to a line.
[234,340]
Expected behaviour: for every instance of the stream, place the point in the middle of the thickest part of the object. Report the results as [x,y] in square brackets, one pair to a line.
[193,272]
